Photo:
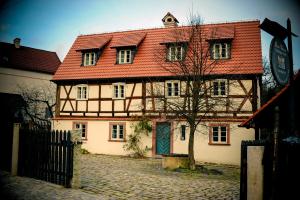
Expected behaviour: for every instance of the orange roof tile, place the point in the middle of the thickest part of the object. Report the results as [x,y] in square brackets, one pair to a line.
[129,40]
[93,43]
[226,32]
[246,56]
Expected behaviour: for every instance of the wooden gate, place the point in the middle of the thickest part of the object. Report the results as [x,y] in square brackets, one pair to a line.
[46,155]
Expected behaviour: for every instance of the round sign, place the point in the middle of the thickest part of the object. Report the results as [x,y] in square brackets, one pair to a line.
[279,60]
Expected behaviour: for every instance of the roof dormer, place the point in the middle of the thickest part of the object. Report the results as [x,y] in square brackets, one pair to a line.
[169,20]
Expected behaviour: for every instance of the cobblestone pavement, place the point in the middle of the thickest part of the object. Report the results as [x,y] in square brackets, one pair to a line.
[23,188]
[114,177]
[128,178]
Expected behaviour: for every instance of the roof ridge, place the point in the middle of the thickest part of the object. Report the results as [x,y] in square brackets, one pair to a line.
[30,47]
[157,28]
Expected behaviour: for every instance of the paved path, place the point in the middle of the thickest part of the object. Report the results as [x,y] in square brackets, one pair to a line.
[128,178]
[113,177]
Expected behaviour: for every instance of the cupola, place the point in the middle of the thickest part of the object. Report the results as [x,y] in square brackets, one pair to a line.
[169,20]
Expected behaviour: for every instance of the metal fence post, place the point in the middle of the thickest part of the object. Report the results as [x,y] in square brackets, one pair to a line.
[15,149]
[76,139]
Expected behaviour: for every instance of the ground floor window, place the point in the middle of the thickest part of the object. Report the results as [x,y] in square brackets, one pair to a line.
[81,126]
[117,132]
[219,134]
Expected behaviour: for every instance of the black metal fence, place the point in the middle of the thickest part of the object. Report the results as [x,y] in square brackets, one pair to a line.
[46,155]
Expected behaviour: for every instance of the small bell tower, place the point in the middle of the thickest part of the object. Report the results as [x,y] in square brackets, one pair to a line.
[170,21]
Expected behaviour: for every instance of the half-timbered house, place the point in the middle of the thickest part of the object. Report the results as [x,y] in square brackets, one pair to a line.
[108,79]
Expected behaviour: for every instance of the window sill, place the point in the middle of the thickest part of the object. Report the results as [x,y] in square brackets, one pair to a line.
[81,99]
[219,144]
[116,140]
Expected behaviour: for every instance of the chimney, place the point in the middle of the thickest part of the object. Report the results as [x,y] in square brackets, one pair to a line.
[17,42]
[170,21]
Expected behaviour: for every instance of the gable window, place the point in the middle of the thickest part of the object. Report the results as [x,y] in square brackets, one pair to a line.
[89,58]
[183,130]
[117,132]
[175,53]
[172,88]
[221,50]
[119,90]
[82,92]
[219,88]
[82,126]
[219,134]
[124,56]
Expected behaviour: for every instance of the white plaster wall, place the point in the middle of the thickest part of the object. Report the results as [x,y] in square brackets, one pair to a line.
[98,136]
[11,79]
[226,154]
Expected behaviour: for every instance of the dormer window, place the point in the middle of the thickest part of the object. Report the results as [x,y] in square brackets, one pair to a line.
[89,58]
[221,50]
[175,53]
[125,56]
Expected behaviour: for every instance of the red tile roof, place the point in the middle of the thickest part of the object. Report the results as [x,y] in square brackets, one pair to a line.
[129,40]
[246,56]
[226,32]
[93,43]
[29,59]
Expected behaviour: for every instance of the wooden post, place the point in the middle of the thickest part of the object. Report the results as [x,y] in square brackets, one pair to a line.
[15,149]
[76,139]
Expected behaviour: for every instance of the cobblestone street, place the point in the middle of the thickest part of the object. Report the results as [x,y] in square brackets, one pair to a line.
[113,177]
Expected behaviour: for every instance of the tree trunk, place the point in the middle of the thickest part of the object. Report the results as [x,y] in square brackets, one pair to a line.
[192,164]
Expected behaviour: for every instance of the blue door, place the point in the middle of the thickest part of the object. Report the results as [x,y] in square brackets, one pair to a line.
[163,131]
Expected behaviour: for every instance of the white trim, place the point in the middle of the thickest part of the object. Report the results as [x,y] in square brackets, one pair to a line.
[119,84]
[220,50]
[118,132]
[81,92]
[172,82]
[90,61]
[125,53]
[219,88]
[219,135]
[174,57]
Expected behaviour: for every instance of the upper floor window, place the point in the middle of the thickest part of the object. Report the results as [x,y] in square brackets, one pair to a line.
[82,92]
[117,132]
[125,56]
[119,90]
[175,53]
[219,88]
[221,50]
[89,58]
[219,134]
[172,88]
[82,126]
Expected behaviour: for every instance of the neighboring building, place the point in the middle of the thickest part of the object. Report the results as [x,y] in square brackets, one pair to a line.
[25,69]
[108,78]
[22,69]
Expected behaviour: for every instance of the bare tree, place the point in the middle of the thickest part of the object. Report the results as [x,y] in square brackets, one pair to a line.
[39,102]
[269,86]
[191,64]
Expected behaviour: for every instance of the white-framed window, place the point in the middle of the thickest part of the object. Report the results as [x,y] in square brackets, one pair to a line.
[219,87]
[89,58]
[82,92]
[117,132]
[219,134]
[221,50]
[124,56]
[175,53]
[119,90]
[83,127]
[172,88]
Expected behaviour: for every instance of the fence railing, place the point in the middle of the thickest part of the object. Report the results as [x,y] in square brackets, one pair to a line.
[46,155]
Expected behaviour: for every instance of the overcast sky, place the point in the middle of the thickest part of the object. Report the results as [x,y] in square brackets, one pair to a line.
[54,24]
